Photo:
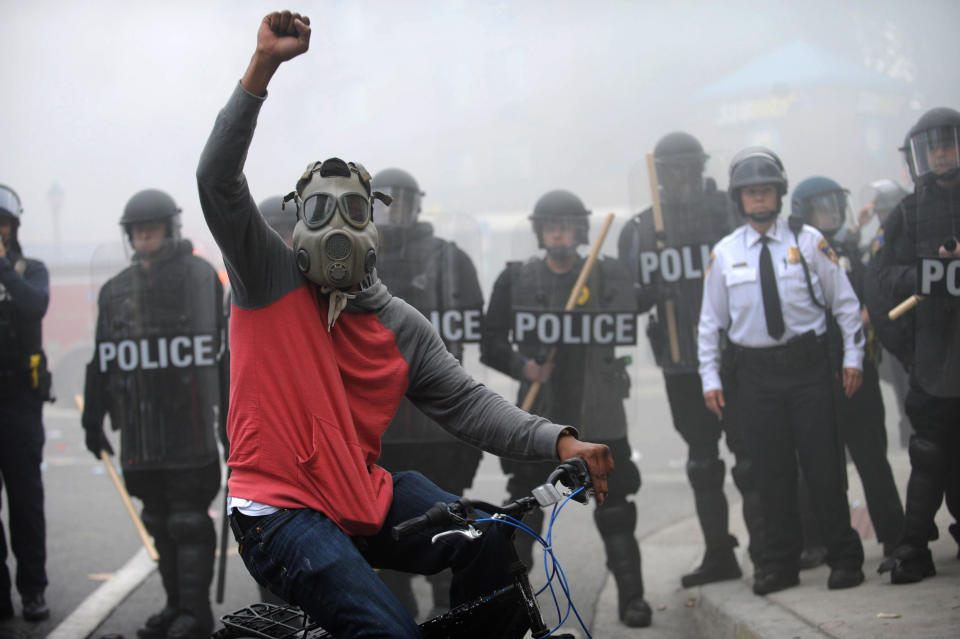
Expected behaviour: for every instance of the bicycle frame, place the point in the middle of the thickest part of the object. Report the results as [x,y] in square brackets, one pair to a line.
[515,605]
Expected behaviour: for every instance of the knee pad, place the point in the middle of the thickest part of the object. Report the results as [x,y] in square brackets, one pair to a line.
[706,474]
[615,517]
[191,527]
[928,455]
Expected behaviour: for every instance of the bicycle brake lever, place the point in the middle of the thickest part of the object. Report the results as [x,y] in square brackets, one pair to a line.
[470,533]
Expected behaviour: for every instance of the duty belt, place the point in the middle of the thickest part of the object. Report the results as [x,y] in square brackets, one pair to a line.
[800,352]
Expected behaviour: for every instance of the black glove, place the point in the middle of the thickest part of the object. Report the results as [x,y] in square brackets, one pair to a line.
[97,441]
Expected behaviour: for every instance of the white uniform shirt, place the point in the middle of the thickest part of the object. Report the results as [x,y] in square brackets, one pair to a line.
[732,299]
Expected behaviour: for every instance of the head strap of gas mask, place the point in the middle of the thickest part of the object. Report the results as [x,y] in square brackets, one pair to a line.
[333,167]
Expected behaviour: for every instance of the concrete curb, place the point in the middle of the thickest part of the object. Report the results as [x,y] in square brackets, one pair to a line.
[88,616]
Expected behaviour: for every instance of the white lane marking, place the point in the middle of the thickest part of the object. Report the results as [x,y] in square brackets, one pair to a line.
[102,601]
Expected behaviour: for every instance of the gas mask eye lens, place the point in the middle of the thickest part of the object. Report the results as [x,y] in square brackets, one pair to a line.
[318,209]
[357,209]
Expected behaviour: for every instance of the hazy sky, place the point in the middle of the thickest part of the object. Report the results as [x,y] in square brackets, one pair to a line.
[487,104]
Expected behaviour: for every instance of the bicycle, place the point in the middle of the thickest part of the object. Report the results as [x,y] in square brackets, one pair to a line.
[515,605]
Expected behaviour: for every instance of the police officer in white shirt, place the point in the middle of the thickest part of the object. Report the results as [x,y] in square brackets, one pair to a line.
[769,288]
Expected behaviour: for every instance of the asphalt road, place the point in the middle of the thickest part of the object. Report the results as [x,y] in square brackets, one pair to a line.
[90,536]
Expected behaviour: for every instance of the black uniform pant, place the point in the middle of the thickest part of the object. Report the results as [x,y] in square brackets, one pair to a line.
[701,430]
[863,430]
[21,453]
[175,503]
[787,416]
[934,461]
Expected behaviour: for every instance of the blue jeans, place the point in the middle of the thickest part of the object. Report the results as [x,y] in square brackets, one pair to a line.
[302,556]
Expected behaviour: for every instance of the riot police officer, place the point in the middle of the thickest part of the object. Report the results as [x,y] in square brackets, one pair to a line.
[694,216]
[24,385]
[156,372]
[822,203]
[926,224]
[438,279]
[781,367]
[584,385]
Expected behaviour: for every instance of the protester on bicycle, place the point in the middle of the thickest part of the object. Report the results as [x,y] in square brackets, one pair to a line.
[321,357]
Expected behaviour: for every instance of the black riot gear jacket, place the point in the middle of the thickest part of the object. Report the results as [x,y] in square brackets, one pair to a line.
[436,277]
[588,384]
[155,369]
[918,227]
[675,270]
[24,296]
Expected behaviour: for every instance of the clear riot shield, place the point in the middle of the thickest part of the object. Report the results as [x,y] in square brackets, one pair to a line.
[936,365]
[158,346]
[427,265]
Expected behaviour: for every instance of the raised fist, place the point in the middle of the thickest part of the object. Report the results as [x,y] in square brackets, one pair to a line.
[283,35]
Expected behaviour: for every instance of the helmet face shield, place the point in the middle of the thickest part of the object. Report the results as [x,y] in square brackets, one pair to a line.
[404,209]
[936,151]
[827,211]
[10,203]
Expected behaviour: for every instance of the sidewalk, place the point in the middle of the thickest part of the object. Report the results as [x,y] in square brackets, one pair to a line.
[729,610]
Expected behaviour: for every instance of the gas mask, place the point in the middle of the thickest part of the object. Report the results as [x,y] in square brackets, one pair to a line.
[335,240]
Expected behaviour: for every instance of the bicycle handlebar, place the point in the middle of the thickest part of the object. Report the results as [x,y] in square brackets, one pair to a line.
[572,473]
[436,516]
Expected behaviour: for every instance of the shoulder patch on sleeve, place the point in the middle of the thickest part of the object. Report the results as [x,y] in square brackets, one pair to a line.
[877,242]
[824,246]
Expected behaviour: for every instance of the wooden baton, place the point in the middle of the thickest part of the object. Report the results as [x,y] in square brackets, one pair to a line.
[903,307]
[572,301]
[124,496]
[668,305]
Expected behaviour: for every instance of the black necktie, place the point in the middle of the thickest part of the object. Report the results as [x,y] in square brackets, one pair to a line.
[771,297]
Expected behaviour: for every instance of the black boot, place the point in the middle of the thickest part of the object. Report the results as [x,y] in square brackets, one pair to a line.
[616,521]
[909,564]
[623,560]
[719,564]
[752,509]
[158,623]
[196,542]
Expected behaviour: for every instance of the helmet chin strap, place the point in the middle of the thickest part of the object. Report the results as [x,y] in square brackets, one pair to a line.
[762,218]
[562,252]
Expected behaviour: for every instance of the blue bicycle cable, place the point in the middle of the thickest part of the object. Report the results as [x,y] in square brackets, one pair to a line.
[557,569]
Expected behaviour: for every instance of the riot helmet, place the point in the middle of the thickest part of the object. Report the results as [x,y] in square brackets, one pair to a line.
[934,145]
[151,205]
[281,221]
[10,205]
[406,195]
[822,203]
[560,206]
[334,239]
[680,160]
[754,166]
[11,209]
